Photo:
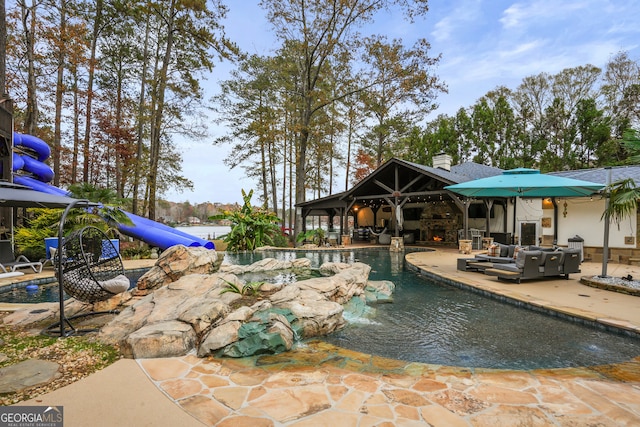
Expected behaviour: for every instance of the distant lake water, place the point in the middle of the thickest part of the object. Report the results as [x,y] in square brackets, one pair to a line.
[209,232]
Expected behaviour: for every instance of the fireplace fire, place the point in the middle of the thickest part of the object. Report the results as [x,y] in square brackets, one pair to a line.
[438,239]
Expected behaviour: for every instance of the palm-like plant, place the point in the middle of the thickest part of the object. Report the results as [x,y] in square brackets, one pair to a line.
[316,236]
[105,216]
[249,289]
[250,227]
[624,194]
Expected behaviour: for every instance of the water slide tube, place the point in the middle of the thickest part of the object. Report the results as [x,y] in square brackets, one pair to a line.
[41,170]
[32,144]
[18,163]
[34,184]
[157,236]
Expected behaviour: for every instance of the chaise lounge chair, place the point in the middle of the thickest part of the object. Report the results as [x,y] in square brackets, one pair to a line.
[9,263]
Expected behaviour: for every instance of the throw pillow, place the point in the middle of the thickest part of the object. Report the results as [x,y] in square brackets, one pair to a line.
[118,284]
[494,250]
[516,250]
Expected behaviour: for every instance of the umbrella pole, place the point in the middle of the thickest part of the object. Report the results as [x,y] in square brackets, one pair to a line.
[605,245]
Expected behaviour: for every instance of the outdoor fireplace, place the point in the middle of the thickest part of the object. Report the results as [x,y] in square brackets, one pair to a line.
[436,233]
[439,223]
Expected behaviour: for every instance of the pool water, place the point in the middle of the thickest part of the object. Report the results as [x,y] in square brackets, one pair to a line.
[48,292]
[434,323]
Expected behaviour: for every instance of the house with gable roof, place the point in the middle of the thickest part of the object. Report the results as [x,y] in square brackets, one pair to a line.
[408,199]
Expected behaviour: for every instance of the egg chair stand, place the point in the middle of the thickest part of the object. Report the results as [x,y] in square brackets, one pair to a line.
[88,268]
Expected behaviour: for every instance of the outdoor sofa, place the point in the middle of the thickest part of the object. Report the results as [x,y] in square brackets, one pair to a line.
[500,253]
[536,264]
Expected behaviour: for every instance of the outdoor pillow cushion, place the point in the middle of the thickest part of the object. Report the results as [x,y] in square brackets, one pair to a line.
[517,249]
[118,284]
[494,250]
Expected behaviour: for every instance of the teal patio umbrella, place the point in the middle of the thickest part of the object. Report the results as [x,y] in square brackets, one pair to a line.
[524,182]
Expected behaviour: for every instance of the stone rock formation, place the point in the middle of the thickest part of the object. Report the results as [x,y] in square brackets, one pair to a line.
[184,304]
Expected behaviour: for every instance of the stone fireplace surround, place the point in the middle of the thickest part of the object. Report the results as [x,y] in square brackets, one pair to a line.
[440,220]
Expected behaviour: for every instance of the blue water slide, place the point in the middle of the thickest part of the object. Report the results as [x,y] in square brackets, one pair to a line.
[145,222]
[144,229]
[18,163]
[34,184]
[156,236]
[35,167]
[32,144]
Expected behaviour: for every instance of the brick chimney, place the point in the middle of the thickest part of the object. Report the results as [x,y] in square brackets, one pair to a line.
[442,161]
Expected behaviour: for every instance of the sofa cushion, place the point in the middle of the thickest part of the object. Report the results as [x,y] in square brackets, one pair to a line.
[504,250]
[522,255]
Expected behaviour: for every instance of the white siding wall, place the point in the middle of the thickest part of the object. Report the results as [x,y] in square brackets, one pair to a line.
[583,219]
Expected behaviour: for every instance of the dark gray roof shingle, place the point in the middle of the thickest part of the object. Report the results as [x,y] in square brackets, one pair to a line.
[599,175]
[460,173]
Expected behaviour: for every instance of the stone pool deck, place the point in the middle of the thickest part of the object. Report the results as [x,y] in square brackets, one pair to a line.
[321,385]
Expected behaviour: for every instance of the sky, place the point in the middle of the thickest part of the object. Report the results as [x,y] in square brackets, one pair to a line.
[484,44]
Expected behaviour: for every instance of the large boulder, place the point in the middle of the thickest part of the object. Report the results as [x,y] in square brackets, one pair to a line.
[160,339]
[178,261]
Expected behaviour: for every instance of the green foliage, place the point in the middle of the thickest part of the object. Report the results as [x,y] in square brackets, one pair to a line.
[280,240]
[136,252]
[231,287]
[251,227]
[624,194]
[41,223]
[623,202]
[249,289]
[316,236]
[108,212]
[30,239]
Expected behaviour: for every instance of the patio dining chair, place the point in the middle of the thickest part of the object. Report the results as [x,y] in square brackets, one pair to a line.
[9,263]
[476,238]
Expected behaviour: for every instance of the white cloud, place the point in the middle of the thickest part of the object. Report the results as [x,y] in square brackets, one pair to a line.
[521,14]
[457,19]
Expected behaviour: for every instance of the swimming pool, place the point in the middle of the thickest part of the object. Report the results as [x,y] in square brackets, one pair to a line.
[47,290]
[439,324]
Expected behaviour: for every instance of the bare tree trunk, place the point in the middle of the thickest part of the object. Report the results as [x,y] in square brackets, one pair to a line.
[349,137]
[291,182]
[284,178]
[57,132]
[118,140]
[92,68]
[263,174]
[273,176]
[76,129]
[156,128]
[141,111]
[28,26]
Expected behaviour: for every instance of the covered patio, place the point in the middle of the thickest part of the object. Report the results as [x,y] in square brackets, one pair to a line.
[405,199]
